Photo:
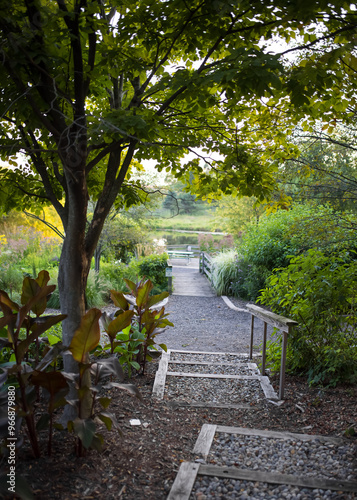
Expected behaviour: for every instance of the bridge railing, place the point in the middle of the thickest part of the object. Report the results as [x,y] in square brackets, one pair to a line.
[206,265]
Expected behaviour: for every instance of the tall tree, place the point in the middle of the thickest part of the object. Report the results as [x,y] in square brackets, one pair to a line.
[89,85]
[325,170]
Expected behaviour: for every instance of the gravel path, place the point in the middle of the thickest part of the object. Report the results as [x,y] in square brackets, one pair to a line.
[208,324]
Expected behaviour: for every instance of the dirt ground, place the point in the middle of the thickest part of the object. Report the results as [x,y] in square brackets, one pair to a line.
[144,460]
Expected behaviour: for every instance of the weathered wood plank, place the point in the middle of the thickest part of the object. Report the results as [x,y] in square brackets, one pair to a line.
[276,478]
[283,363]
[212,352]
[268,388]
[280,435]
[273,319]
[214,375]
[204,440]
[264,349]
[160,377]
[251,337]
[208,363]
[252,366]
[176,404]
[184,481]
[232,306]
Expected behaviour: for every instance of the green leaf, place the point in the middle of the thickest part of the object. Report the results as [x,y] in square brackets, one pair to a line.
[85,430]
[37,298]
[132,389]
[43,278]
[30,288]
[42,422]
[131,285]
[97,442]
[155,299]
[105,402]
[143,292]
[87,336]
[4,299]
[109,420]
[119,323]
[119,300]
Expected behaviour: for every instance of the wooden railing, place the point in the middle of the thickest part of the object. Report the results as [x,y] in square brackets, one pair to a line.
[284,324]
[206,265]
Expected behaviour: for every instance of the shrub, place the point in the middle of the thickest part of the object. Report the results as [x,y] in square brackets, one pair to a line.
[11,280]
[97,291]
[225,271]
[279,236]
[153,267]
[318,291]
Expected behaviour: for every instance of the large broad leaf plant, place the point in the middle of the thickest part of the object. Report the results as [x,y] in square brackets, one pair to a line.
[34,367]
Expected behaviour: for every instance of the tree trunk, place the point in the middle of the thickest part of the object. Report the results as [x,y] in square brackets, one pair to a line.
[97,256]
[72,279]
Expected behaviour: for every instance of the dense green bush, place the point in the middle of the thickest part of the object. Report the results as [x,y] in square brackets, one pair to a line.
[111,277]
[319,292]
[279,236]
[153,267]
[97,291]
[115,272]
[11,278]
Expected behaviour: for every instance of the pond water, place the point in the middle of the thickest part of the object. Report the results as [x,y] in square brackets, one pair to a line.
[178,238]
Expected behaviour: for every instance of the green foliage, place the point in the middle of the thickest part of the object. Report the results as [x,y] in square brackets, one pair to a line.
[136,342]
[281,235]
[202,222]
[97,294]
[224,271]
[318,291]
[180,201]
[207,243]
[153,267]
[11,278]
[130,341]
[119,238]
[233,214]
[25,372]
[98,286]
[325,169]
[32,364]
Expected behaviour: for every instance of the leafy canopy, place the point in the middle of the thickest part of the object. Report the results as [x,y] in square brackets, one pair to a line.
[87,84]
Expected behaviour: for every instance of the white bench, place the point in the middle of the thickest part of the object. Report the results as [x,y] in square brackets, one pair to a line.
[178,254]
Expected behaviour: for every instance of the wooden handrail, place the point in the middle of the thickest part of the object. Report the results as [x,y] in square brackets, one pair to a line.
[284,324]
[206,265]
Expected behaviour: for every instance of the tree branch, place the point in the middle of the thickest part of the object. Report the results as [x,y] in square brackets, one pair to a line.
[48,224]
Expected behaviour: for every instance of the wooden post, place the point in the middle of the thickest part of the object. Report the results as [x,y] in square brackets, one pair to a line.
[264,348]
[283,363]
[251,338]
